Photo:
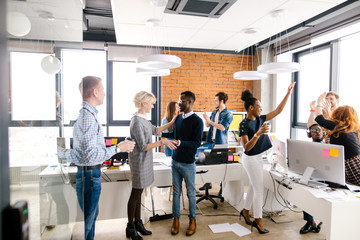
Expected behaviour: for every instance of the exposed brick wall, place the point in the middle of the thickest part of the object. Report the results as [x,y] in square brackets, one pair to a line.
[206,74]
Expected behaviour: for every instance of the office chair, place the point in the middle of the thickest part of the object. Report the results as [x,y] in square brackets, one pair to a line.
[209,197]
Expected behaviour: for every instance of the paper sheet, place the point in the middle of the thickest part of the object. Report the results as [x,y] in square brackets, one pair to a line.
[319,193]
[239,230]
[329,194]
[220,228]
[338,195]
[226,227]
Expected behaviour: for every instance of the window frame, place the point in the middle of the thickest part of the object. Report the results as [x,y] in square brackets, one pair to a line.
[333,80]
[155,89]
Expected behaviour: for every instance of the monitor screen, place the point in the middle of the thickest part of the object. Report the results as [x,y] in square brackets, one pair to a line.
[234,125]
[279,148]
[326,159]
[111,141]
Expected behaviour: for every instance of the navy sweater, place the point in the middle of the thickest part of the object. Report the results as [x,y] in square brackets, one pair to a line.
[189,131]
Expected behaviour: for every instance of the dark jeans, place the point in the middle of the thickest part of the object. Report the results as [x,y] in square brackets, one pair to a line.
[88,189]
[308,217]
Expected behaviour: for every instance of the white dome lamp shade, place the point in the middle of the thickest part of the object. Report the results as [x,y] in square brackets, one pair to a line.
[18,24]
[279,67]
[249,75]
[159,61]
[153,72]
[51,64]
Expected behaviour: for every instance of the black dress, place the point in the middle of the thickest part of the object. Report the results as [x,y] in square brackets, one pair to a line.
[351,145]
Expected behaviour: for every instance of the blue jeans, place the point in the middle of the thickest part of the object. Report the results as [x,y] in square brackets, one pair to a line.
[88,189]
[186,172]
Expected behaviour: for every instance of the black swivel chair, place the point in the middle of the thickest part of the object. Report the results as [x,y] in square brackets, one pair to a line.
[208,196]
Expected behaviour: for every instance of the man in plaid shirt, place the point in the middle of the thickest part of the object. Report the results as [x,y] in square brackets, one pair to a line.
[89,151]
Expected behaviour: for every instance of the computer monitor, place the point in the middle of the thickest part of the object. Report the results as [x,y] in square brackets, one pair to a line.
[279,148]
[110,141]
[234,125]
[326,159]
[218,155]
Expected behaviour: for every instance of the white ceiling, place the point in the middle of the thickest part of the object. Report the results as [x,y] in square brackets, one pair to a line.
[130,16]
[224,33]
[67,25]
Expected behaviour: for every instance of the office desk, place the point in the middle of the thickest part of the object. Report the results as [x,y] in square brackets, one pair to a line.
[340,217]
[59,189]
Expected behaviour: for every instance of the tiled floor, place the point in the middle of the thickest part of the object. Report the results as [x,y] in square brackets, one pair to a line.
[206,215]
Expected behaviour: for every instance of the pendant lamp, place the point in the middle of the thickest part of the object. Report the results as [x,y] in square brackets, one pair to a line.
[279,67]
[51,64]
[249,75]
[159,61]
[18,24]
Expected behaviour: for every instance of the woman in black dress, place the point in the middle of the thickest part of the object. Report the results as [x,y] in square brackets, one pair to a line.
[344,129]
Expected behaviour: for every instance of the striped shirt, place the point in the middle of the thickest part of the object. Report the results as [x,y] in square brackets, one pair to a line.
[88,146]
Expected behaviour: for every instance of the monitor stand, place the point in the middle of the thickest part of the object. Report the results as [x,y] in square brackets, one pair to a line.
[306,176]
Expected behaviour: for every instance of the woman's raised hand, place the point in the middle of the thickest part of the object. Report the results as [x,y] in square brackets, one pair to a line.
[312,105]
[321,99]
[291,87]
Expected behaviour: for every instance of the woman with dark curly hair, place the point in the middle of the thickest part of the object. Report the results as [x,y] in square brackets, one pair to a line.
[344,129]
[255,143]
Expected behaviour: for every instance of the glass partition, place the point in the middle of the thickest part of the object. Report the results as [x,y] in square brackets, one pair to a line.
[36,104]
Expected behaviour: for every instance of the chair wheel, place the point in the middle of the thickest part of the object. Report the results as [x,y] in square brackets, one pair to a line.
[221,200]
[215,207]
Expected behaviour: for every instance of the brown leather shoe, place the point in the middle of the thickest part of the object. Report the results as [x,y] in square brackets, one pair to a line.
[175,226]
[192,227]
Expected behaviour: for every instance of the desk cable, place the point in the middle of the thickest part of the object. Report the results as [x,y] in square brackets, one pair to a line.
[65,177]
[108,178]
[226,167]
[287,204]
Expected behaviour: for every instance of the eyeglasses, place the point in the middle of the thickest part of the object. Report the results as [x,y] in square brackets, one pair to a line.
[315,130]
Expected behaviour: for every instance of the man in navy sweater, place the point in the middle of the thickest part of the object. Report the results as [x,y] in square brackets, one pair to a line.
[187,131]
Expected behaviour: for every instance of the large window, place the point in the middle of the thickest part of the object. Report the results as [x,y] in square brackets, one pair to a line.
[329,67]
[76,65]
[349,65]
[313,79]
[32,142]
[32,90]
[126,83]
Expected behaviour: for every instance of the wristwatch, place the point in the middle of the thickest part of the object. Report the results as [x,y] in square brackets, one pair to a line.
[162,142]
[117,149]
[256,136]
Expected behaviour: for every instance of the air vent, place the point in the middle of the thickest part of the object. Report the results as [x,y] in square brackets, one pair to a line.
[200,8]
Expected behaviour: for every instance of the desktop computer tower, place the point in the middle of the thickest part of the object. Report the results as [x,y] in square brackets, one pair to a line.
[16,221]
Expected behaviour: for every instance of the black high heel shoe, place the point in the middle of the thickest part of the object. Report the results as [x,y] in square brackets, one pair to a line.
[141,229]
[253,224]
[242,214]
[131,232]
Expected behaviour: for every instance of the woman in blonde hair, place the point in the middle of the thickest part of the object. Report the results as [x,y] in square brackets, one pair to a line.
[141,159]
[344,129]
[172,109]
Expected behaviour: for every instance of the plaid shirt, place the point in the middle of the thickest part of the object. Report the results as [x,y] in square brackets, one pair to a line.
[88,146]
